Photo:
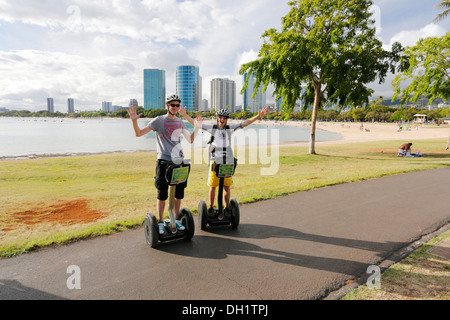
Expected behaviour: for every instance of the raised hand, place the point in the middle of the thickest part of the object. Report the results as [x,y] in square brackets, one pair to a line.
[262,112]
[198,121]
[133,113]
[182,110]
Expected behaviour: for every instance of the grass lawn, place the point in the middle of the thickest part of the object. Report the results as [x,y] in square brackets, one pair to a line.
[55,200]
[420,276]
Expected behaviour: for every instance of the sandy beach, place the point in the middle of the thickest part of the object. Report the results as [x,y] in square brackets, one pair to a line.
[353,132]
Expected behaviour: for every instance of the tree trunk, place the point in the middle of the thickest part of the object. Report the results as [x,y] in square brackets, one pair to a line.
[312,140]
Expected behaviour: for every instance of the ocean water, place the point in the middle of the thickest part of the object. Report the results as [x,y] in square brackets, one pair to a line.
[22,137]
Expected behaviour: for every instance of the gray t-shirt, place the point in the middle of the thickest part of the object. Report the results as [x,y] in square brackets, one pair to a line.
[221,150]
[168,137]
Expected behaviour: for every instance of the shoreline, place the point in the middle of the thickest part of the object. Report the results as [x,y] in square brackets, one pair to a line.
[350,132]
[353,132]
[65,155]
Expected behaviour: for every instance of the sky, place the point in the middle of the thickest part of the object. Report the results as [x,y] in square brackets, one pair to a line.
[96,50]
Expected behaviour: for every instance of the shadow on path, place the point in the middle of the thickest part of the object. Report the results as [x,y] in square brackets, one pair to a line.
[259,231]
[219,243]
[14,290]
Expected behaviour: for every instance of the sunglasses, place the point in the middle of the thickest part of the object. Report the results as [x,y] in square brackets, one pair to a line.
[175,105]
[222,117]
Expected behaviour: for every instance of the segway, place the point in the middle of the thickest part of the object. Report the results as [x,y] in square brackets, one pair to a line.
[220,218]
[175,174]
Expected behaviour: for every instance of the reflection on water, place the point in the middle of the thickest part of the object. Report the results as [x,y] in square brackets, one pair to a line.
[37,136]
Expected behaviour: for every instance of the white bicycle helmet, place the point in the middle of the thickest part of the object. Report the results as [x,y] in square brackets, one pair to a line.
[173,97]
[223,113]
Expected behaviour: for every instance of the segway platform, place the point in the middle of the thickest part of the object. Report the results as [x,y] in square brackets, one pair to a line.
[176,174]
[219,217]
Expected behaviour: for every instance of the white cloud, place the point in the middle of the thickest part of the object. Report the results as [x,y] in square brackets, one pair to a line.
[37,75]
[246,57]
[409,38]
[167,20]
[95,50]
[98,49]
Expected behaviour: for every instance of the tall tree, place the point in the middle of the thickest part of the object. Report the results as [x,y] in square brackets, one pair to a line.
[428,70]
[327,45]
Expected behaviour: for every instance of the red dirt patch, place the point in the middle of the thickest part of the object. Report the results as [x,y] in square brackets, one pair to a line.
[63,212]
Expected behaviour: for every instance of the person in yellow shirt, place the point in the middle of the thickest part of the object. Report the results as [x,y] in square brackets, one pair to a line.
[221,151]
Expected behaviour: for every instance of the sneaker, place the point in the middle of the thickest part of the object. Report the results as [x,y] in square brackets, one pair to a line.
[211,213]
[227,212]
[161,227]
[179,225]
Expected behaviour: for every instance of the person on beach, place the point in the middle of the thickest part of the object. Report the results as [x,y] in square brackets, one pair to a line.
[220,149]
[168,130]
[404,150]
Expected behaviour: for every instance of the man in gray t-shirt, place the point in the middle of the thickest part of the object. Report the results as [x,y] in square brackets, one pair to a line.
[168,130]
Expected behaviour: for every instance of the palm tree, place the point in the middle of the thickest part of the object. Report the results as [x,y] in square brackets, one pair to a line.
[445,4]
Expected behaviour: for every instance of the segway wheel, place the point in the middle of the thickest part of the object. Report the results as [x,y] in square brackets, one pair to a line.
[235,214]
[151,230]
[188,222]
[202,214]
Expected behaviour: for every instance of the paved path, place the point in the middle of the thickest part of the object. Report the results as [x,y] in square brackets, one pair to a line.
[300,246]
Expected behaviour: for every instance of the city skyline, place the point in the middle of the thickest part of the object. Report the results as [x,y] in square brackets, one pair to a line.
[222,93]
[88,51]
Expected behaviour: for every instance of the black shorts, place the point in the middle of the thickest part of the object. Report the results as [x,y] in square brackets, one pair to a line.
[163,186]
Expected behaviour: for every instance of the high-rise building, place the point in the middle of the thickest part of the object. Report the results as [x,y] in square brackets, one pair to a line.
[154,89]
[133,102]
[70,106]
[223,94]
[278,104]
[107,106]
[50,105]
[189,87]
[253,104]
[117,108]
[204,106]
